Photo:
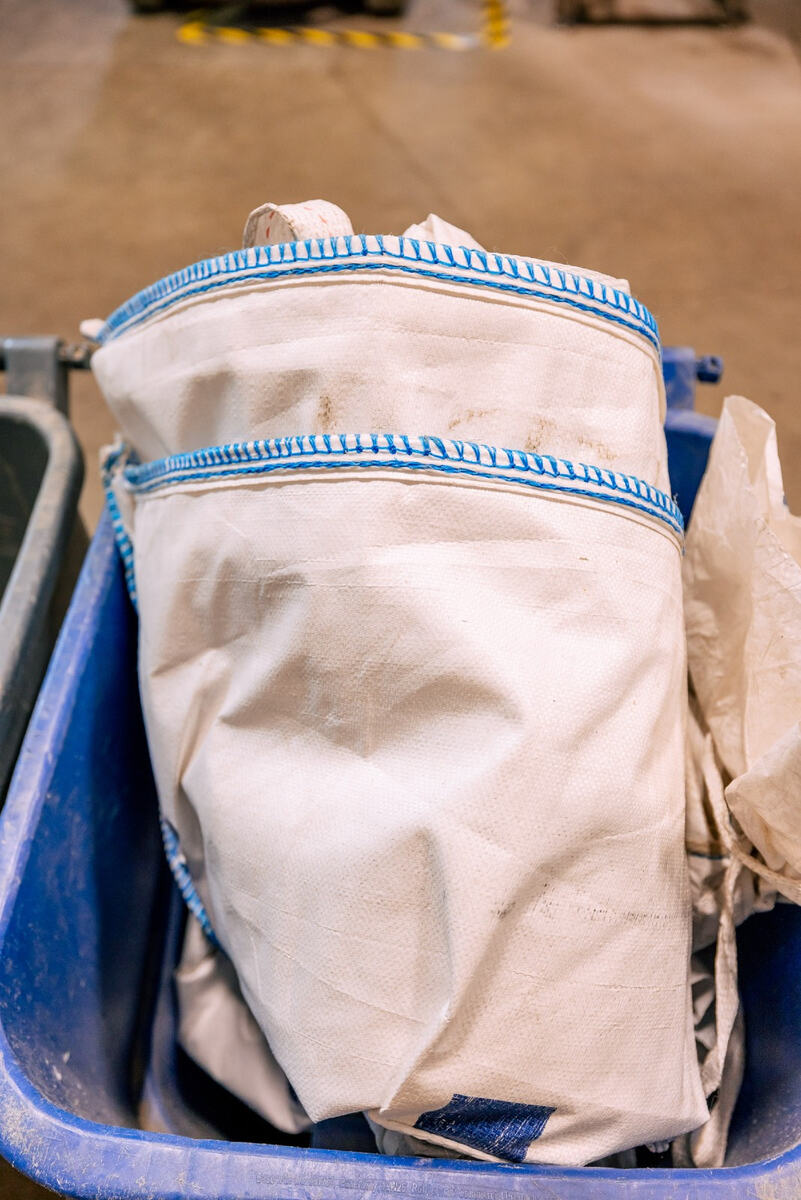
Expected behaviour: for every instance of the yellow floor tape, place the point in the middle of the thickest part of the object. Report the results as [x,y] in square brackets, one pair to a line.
[494,34]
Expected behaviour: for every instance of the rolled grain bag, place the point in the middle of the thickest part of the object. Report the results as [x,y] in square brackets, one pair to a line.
[395,516]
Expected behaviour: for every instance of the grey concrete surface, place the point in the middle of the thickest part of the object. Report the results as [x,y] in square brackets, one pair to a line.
[670,156]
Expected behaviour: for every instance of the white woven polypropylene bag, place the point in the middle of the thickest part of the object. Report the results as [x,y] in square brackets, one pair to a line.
[415,701]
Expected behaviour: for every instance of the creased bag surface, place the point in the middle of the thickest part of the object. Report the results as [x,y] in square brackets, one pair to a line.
[743,579]
[416,702]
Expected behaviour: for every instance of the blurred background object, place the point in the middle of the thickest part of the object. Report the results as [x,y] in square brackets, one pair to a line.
[652,10]
[382,8]
[670,155]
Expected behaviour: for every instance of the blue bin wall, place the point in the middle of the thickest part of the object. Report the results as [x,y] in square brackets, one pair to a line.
[688,437]
[767,1120]
[81,937]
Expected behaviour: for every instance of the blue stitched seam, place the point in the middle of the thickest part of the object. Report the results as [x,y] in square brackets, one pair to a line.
[239,266]
[425,445]
[226,461]
[644,329]
[120,533]
[180,873]
[228,472]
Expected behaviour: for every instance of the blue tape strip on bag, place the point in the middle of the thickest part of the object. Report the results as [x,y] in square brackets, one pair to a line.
[497,1127]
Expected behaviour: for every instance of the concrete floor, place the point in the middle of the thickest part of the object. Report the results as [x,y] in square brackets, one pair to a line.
[670,156]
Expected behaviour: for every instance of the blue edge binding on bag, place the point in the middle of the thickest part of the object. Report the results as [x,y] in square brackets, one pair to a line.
[400,255]
[471,460]
[85,960]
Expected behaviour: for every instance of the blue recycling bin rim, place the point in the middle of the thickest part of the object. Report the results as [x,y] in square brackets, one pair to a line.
[84,1159]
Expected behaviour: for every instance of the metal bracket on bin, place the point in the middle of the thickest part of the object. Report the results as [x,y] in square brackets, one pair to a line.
[38,366]
[682,368]
[709,368]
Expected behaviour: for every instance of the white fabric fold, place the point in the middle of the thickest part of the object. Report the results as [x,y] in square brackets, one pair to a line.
[743,604]
[274,224]
[742,577]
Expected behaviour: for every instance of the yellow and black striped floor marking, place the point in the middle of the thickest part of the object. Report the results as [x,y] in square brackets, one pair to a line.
[494,34]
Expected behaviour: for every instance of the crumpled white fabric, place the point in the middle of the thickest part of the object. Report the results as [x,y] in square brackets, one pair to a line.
[742,578]
[272,224]
[218,1030]
[420,732]
[723,896]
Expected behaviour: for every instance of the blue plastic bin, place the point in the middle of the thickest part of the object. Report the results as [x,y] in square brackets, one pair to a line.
[89,926]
